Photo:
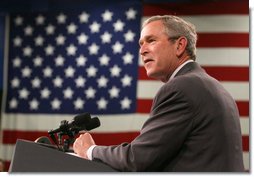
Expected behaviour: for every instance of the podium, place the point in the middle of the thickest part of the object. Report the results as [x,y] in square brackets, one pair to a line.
[33,157]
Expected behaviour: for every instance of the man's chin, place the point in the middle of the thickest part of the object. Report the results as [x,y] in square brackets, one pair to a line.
[150,74]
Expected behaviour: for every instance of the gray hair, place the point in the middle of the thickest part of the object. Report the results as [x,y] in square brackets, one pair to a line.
[176,27]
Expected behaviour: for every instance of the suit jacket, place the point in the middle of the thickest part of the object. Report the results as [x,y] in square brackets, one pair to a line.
[193,126]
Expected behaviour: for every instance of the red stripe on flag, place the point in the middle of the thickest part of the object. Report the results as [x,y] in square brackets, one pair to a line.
[220,73]
[243,107]
[11,136]
[245,141]
[142,74]
[114,138]
[228,73]
[198,8]
[144,106]
[223,40]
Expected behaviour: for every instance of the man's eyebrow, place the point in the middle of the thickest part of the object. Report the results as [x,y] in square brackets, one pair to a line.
[146,38]
[149,36]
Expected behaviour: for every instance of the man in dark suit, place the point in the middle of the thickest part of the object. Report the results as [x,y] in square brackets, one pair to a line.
[194,122]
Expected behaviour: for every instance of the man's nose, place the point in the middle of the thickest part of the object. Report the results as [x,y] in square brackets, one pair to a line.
[143,50]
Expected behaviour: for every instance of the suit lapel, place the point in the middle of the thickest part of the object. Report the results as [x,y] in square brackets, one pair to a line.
[189,67]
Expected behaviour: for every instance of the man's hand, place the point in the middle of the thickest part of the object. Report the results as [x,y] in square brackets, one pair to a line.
[82,144]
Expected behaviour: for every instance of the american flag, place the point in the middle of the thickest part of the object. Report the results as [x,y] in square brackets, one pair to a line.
[62,63]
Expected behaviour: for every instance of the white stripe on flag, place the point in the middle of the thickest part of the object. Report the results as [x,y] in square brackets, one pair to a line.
[223,56]
[239,90]
[110,123]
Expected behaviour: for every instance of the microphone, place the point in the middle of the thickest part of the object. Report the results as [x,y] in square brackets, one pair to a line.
[77,122]
[94,123]
[82,119]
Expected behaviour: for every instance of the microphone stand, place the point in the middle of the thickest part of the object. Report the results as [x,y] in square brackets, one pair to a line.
[64,143]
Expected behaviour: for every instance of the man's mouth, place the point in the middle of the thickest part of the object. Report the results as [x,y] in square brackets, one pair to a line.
[147,60]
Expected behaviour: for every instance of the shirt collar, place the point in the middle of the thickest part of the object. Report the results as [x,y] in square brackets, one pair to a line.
[178,68]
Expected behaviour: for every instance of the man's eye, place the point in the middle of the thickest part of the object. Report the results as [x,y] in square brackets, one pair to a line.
[151,40]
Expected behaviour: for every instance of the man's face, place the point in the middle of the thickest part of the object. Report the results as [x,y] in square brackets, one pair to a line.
[158,53]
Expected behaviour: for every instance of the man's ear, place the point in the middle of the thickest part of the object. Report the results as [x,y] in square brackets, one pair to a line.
[181,44]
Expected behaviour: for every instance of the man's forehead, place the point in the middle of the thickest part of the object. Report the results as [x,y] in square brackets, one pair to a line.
[152,31]
[154,26]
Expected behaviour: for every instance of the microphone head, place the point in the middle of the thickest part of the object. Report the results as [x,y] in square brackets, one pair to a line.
[81,119]
[94,123]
